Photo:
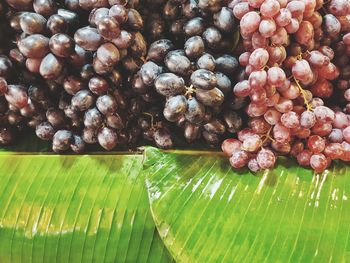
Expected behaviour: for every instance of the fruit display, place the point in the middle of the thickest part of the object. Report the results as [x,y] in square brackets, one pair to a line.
[261,78]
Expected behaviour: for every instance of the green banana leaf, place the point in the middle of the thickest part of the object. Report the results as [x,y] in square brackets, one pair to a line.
[91,208]
[206,212]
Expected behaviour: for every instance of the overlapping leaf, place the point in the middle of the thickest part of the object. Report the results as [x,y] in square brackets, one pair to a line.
[76,209]
[206,212]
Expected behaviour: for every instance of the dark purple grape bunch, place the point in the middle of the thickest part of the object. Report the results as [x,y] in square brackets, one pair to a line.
[179,20]
[193,85]
[114,37]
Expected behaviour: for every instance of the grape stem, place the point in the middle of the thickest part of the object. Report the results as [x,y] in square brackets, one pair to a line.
[189,91]
[302,91]
[266,137]
[152,119]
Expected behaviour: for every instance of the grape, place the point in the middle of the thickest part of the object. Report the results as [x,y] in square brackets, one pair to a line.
[276,76]
[316,144]
[257,41]
[282,148]
[242,89]
[253,165]
[267,27]
[82,100]
[212,37]
[224,20]
[293,26]
[341,120]
[257,79]
[296,7]
[177,62]
[307,119]
[57,24]
[258,96]
[115,121]
[239,159]
[284,105]
[259,58]
[175,107]
[266,159]
[106,104]
[118,12]
[281,133]
[162,139]
[203,79]
[256,110]
[242,8]
[88,38]
[269,8]
[17,96]
[206,61]
[244,133]
[251,143]
[211,98]
[107,138]
[334,150]
[61,141]
[158,49]
[195,111]
[284,17]
[324,114]
[55,117]
[45,131]
[297,148]
[280,38]
[292,93]
[34,46]
[93,118]
[301,70]
[322,129]
[194,26]
[51,67]
[331,25]
[226,64]
[108,54]
[290,120]
[233,121]
[215,126]
[61,45]
[223,83]
[32,23]
[318,162]
[272,116]
[149,72]
[169,84]
[191,132]
[250,22]
[329,71]
[317,59]
[44,7]
[304,158]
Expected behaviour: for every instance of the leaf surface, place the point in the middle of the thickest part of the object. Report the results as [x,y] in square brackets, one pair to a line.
[207,212]
[90,208]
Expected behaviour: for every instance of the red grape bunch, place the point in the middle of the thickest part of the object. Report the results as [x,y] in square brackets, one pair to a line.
[288,73]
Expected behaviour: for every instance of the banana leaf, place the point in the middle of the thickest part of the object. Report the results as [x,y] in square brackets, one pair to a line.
[91,208]
[207,212]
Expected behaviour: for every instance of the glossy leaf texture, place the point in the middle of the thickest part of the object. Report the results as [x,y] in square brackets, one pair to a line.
[90,208]
[207,212]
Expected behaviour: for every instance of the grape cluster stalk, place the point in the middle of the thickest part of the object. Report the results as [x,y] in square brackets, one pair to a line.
[295,80]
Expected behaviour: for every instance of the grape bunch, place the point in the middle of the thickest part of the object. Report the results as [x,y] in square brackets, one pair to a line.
[288,76]
[69,86]
[192,85]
